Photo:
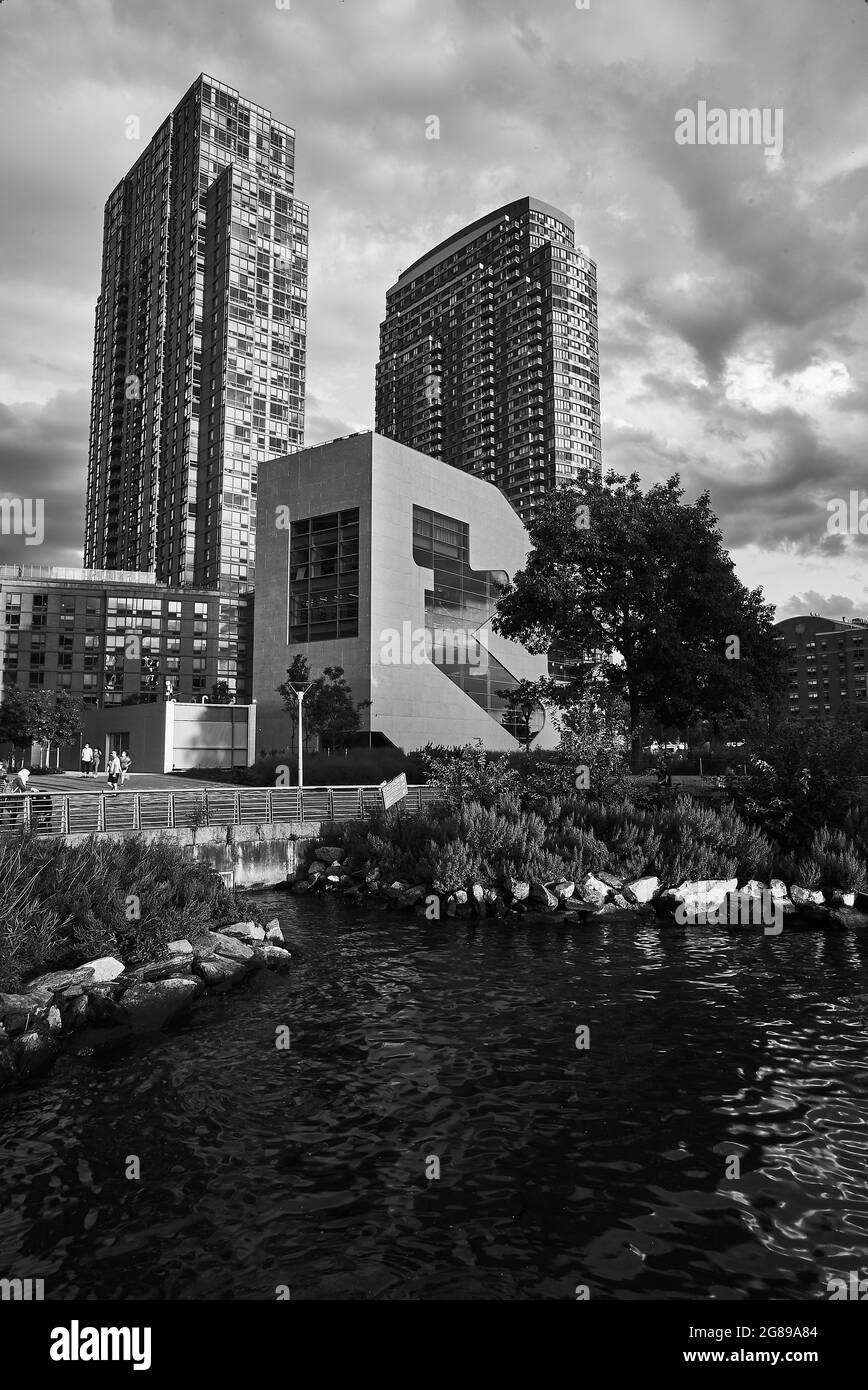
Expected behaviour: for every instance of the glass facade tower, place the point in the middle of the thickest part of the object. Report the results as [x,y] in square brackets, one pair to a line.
[488,354]
[199,351]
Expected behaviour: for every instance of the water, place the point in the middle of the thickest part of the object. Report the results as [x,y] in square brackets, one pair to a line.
[559,1167]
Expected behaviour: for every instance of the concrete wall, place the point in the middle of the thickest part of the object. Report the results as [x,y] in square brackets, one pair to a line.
[260,856]
[171,734]
[313,482]
[413,703]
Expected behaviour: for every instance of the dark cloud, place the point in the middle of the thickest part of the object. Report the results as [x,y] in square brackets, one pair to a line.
[709,259]
[44,459]
[837,606]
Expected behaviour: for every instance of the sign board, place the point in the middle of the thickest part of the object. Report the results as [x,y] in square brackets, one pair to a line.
[394,791]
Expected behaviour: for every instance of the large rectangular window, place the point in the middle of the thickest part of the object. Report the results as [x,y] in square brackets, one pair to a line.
[457,614]
[324,577]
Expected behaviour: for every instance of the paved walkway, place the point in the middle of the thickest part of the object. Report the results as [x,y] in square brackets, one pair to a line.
[68,782]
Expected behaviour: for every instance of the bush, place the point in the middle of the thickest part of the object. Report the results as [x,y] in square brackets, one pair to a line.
[832,861]
[806,776]
[61,904]
[453,846]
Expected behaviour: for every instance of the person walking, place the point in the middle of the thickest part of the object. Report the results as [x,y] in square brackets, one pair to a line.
[126,763]
[97,757]
[5,791]
[113,771]
[86,760]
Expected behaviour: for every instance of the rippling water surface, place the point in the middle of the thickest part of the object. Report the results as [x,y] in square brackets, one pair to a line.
[606,1167]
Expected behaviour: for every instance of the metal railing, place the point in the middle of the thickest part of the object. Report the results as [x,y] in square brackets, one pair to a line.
[93,813]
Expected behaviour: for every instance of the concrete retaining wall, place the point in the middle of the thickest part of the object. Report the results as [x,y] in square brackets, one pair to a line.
[260,856]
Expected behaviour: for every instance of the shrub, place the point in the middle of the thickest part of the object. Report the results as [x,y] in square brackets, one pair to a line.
[61,904]
[832,861]
[806,776]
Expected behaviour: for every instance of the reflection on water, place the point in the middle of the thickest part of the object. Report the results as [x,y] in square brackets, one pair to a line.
[412,1040]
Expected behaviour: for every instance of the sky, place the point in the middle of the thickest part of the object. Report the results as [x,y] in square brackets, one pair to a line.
[732,276]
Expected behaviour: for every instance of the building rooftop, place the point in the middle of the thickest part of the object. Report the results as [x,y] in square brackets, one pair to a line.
[474,230]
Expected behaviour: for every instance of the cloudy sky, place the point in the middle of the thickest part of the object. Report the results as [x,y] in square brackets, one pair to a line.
[732,284]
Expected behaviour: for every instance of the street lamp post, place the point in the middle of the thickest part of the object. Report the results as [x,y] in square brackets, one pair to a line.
[300,691]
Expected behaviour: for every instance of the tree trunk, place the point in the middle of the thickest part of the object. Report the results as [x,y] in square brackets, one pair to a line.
[635,731]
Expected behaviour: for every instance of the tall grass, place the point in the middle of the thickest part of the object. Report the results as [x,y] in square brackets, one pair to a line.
[61,904]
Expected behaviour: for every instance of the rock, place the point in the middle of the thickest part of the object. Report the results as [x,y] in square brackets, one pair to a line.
[593,889]
[180,949]
[102,1011]
[273,932]
[754,888]
[477,893]
[641,890]
[273,956]
[329,854]
[460,896]
[625,904]
[219,973]
[562,890]
[539,896]
[612,912]
[160,969]
[104,969]
[861,903]
[74,1012]
[151,1006]
[301,887]
[518,889]
[62,979]
[804,897]
[411,896]
[16,1021]
[838,898]
[315,871]
[244,931]
[699,896]
[491,895]
[55,1022]
[24,1003]
[204,945]
[612,880]
[33,1053]
[778,888]
[234,950]
[848,917]
[372,877]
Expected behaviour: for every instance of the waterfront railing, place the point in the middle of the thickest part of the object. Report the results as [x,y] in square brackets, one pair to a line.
[93,813]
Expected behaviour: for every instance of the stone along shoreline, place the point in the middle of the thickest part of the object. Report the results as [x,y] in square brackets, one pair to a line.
[99,1004]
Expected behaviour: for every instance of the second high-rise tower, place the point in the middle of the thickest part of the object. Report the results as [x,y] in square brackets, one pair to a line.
[489,357]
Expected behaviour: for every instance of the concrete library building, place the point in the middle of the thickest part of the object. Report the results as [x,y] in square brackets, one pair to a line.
[389,563]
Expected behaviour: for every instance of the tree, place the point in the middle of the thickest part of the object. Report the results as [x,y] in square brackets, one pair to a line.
[297,675]
[522,704]
[594,741]
[330,710]
[13,717]
[641,584]
[68,717]
[220,693]
[805,776]
[38,716]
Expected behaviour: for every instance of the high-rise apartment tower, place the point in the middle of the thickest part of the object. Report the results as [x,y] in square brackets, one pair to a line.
[199,350]
[488,353]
